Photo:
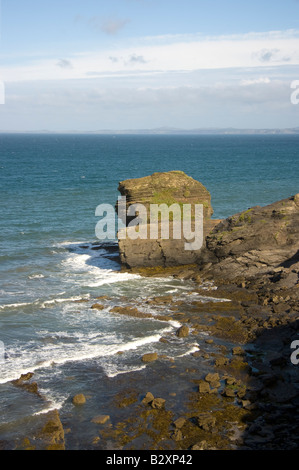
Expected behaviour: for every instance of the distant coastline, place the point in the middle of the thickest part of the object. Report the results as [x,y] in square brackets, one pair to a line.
[167,131]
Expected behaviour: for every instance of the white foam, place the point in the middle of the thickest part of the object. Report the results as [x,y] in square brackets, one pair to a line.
[45,303]
[59,300]
[214,299]
[111,374]
[175,323]
[68,243]
[190,351]
[16,305]
[111,277]
[99,269]
[52,355]
[51,407]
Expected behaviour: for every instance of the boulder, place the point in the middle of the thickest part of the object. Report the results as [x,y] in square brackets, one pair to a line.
[149,357]
[149,397]
[23,382]
[183,332]
[212,377]
[98,306]
[79,399]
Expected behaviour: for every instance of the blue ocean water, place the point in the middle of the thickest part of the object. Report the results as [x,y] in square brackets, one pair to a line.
[52,270]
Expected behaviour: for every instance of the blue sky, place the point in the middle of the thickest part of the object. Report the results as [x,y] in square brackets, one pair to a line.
[132,64]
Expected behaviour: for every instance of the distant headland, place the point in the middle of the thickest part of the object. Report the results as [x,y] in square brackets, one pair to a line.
[166,131]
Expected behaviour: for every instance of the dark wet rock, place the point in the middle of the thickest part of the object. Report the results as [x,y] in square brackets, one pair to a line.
[23,382]
[279,361]
[98,306]
[269,380]
[280,393]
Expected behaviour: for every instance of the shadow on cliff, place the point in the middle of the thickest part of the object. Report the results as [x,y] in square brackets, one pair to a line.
[273,390]
[288,263]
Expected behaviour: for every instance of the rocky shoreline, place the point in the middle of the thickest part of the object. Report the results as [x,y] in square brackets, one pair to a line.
[253,260]
[240,389]
[238,392]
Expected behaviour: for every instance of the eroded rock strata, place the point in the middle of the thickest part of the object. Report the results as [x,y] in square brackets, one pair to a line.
[169,188]
[254,242]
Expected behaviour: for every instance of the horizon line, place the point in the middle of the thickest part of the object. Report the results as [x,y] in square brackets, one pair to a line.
[162,130]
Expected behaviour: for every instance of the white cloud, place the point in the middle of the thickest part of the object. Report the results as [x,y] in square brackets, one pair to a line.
[54,105]
[176,54]
[181,81]
[255,81]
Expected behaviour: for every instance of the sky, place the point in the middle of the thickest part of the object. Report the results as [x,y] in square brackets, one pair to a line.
[88,65]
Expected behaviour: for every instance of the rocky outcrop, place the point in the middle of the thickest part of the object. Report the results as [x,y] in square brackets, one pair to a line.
[169,188]
[256,241]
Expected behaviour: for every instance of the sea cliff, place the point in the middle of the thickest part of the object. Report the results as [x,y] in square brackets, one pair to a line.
[173,188]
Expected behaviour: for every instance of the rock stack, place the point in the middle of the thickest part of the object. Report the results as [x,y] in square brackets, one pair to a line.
[173,187]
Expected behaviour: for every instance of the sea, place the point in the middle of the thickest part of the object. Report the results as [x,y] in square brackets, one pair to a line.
[53,268]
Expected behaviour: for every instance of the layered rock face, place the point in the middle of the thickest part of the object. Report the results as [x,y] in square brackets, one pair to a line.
[254,242]
[169,188]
